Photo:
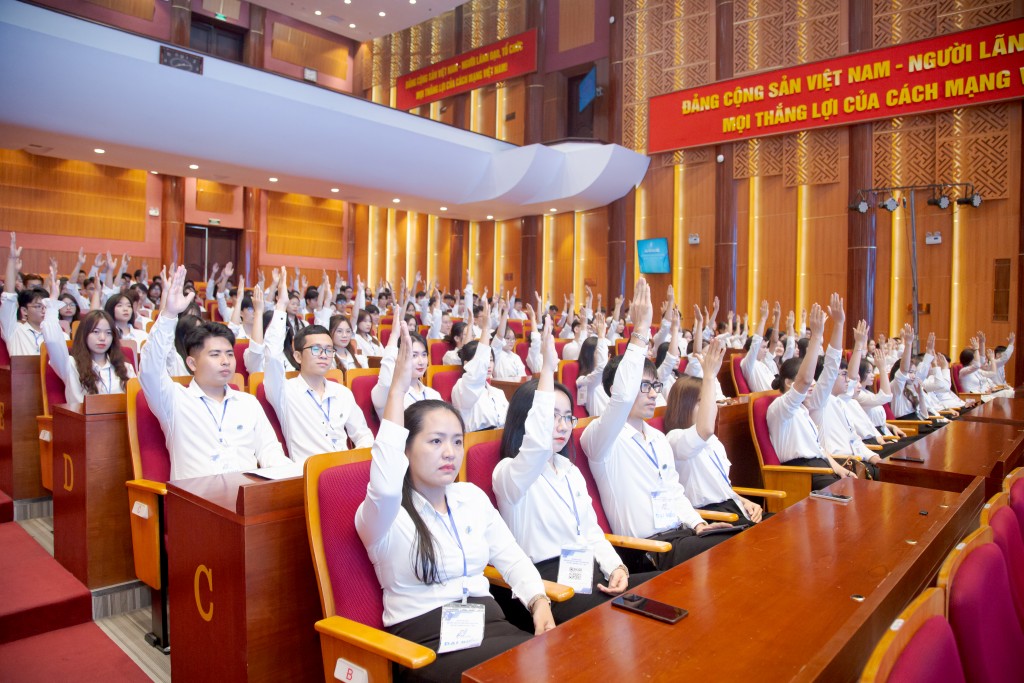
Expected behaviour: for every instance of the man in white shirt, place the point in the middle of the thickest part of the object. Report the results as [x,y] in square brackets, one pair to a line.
[755,369]
[317,416]
[22,338]
[210,428]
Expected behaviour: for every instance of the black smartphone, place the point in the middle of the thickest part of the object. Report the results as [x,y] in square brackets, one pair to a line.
[723,530]
[906,458]
[649,608]
[834,497]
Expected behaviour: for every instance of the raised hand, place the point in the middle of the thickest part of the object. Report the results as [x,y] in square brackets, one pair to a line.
[547,345]
[282,291]
[930,344]
[1010,338]
[835,309]
[816,321]
[177,301]
[257,301]
[907,334]
[711,363]
[641,309]
[860,334]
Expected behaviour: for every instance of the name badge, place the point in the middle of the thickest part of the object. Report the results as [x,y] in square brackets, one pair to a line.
[576,569]
[462,627]
[663,504]
[581,395]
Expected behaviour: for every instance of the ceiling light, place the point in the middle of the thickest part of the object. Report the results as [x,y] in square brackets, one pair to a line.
[890,204]
[351,25]
[942,201]
[335,190]
[273,180]
[490,218]
[154,172]
[317,12]
[381,14]
[860,206]
[553,209]
[412,2]
[395,200]
[100,151]
[444,208]
[974,200]
[194,167]
[348,2]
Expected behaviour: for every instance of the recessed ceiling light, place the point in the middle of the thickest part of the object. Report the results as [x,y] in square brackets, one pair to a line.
[154,172]
[444,208]
[490,218]
[273,180]
[351,25]
[395,200]
[100,151]
[382,14]
[335,190]
[348,2]
[317,12]
[553,209]
[194,167]
[412,2]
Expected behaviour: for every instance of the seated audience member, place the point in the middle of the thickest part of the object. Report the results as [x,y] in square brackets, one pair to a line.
[632,462]
[543,498]
[95,364]
[365,340]
[871,402]
[980,373]
[458,337]
[667,358]
[700,458]
[346,355]
[909,399]
[939,385]
[243,312]
[758,366]
[1002,357]
[119,308]
[507,363]
[481,405]
[418,391]
[792,426]
[22,338]
[210,428]
[694,353]
[593,359]
[430,537]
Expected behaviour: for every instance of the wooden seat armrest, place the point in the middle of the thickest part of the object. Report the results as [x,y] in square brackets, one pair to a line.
[873,447]
[556,592]
[949,412]
[886,437]
[644,544]
[965,395]
[908,423]
[760,493]
[399,650]
[718,516]
[147,486]
[796,469]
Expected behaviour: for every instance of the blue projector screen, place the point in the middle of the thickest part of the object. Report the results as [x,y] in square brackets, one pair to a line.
[653,255]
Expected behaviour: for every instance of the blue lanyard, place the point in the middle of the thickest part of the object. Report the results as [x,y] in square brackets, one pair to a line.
[455,532]
[325,413]
[415,398]
[718,466]
[575,512]
[224,412]
[652,456]
[849,427]
[38,338]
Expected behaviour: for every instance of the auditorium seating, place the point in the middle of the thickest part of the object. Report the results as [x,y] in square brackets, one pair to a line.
[53,394]
[738,379]
[442,379]
[568,373]
[523,350]
[6,508]
[1006,533]
[1014,485]
[240,346]
[436,348]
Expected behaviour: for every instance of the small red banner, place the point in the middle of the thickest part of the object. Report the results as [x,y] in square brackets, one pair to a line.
[956,70]
[509,58]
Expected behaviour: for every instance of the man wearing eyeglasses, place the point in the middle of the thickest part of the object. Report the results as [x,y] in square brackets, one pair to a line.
[317,416]
[22,338]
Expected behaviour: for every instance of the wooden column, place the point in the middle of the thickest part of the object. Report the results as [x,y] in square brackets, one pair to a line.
[1018,357]
[459,103]
[459,229]
[350,242]
[533,230]
[181,22]
[252,51]
[621,211]
[725,187]
[249,259]
[534,124]
[862,242]
[172,221]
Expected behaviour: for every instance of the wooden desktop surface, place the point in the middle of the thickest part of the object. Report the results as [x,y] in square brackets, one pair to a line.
[956,453]
[775,603]
[21,400]
[509,386]
[998,410]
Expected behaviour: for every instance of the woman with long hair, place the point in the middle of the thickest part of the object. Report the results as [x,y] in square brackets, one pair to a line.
[458,337]
[430,537]
[120,309]
[364,338]
[346,353]
[417,391]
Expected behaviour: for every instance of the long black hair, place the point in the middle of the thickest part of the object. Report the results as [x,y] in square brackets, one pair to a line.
[515,420]
[289,334]
[587,351]
[424,549]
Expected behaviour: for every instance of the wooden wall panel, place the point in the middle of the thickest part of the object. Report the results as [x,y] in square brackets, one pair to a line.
[742,246]
[825,240]
[695,214]
[416,247]
[575,24]
[508,257]
[655,199]
[142,9]
[482,108]
[395,266]
[215,197]
[558,256]
[510,122]
[439,252]
[299,225]
[377,245]
[773,220]
[361,229]
[42,195]
[592,255]
[295,46]
[934,265]
[481,255]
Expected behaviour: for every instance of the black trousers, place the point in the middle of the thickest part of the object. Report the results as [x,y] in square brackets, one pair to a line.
[685,544]
[818,481]
[499,636]
[732,506]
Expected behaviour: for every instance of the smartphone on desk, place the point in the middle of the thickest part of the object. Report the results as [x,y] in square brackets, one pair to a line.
[649,608]
[834,497]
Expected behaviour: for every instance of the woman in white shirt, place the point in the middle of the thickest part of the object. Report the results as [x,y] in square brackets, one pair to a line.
[701,460]
[119,308]
[367,343]
[507,363]
[543,497]
[456,339]
[417,391]
[346,356]
[430,537]
[95,364]
[482,406]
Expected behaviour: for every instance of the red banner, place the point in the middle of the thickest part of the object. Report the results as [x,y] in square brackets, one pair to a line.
[957,70]
[509,58]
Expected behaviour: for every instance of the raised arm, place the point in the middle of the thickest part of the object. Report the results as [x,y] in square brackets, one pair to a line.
[860,344]
[805,376]
[707,408]
[11,274]
[156,383]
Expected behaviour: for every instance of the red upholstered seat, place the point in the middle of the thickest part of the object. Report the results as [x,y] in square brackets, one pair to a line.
[954,376]
[658,422]
[75,653]
[361,388]
[1017,502]
[1006,533]
[54,389]
[261,396]
[129,356]
[931,656]
[443,382]
[682,365]
[481,459]
[523,350]
[6,508]
[760,416]
[517,327]
[5,356]
[559,345]
[981,613]
[153,454]
[737,375]
[569,372]
[357,593]
[584,466]
[620,346]
[37,594]
[438,347]
[385,334]
[887,407]
[240,346]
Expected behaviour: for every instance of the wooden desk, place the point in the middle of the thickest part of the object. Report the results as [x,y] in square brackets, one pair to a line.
[725,373]
[91,462]
[741,625]
[21,400]
[243,594]
[509,386]
[998,410]
[733,430]
[956,454]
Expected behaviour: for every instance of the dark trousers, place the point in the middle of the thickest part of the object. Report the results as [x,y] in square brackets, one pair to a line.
[499,636]
[733,507]
[685,544]
[921,429]
[818,481]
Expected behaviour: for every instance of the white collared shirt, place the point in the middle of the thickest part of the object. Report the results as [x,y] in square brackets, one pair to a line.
[695,369]
[629,466]
[369,347]
[874,405]
[59,358]
[703,467]
[379,393]
[794,418]
[507,363]
[758,374]
[311,424]
[481,405]
[21,339]
[204,436]
[838,436]
[588,387]
[387,531]
[544,499]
